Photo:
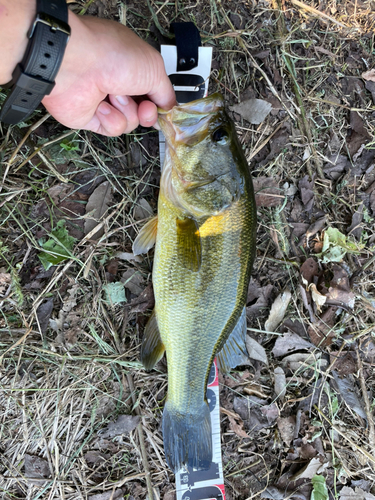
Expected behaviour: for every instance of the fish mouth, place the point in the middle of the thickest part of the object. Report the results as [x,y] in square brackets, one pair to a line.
[189,123]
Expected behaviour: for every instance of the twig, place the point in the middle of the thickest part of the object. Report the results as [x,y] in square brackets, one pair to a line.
[370,418]
[141,437]
[317,12]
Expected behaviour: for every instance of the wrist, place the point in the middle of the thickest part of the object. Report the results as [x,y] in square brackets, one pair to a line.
[16,17]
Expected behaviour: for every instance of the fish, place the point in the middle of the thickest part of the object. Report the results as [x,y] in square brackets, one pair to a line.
[205,237]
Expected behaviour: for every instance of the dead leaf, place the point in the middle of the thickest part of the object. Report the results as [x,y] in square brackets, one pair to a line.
[303,361]
[266,192]
[258,297]
[133,281]
[280,383]
[355,227]
[337,164]
[118,494]
[309,471]
[254,413]
[252,110]
[369,75]
[348,392]
[286,428]
[344,363]
[321,333]
[36,467]
[288,343]
[307,451]
[309,269]
[97,206]
[44,312]
[316,227]
[370,86]
[123,425]
[144,301]
[237,428]
[255,350]
[96,457]
[143,210]
[358,494]
[339,290]
[271,412]
[278,311]
[306,187]
[317,297]
[129,256]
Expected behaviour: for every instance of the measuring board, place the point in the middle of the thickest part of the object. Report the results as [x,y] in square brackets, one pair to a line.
[192,484]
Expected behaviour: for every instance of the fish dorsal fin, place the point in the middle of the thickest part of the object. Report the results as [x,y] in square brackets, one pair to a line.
[152,348]
[189,248]
[146,237]
[233,352]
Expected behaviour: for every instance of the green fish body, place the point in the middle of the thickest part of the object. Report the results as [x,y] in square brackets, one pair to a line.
[205,244]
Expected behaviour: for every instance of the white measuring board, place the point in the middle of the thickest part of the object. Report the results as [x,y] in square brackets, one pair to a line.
[188,85]
[192,484]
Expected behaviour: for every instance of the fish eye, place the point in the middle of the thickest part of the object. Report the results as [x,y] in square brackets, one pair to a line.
[220,136]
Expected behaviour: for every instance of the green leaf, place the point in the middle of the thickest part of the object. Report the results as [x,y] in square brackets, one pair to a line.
[58,248]
[336,245]
[115,292]
[319,491]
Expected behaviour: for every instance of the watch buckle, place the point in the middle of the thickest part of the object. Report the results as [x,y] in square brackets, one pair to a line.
[54,24]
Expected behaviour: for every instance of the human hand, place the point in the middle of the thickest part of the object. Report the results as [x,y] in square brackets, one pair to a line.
[104,64]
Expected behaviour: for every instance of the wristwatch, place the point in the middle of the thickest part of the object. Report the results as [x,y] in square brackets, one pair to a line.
[34,77]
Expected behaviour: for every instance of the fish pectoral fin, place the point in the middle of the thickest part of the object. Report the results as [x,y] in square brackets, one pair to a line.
[146,237]
[189,249]
[234,352]
[152,348]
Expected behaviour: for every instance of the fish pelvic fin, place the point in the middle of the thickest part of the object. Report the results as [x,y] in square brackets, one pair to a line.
[189,249]
[152,348]
[187,438]
[234,352]
[146,237]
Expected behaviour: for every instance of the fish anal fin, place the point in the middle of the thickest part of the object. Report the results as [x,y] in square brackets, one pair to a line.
[189,249]
[152,348]
[146,237]
[233,352]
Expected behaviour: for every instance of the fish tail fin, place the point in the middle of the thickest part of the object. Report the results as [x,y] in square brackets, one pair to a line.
[187,438]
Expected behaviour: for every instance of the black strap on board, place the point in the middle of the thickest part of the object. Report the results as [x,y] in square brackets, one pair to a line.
[187,42]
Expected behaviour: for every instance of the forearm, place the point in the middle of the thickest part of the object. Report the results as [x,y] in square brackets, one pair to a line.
[16,17]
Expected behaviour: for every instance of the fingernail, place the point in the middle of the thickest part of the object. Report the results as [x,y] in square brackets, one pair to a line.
[122,99]
[104,108]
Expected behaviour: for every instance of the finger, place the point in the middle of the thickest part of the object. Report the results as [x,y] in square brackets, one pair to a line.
[129,108]
[163,96]
[147,113]
[108,121]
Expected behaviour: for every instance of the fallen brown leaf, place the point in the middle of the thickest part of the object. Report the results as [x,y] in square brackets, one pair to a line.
[322,333]
[266,192]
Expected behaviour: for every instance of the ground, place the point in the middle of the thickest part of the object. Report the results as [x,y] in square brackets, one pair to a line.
[300,414]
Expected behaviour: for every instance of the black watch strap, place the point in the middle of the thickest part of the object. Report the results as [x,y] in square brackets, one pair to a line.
[34,76]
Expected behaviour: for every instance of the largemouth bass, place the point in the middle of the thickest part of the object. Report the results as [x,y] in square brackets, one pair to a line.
[205,244]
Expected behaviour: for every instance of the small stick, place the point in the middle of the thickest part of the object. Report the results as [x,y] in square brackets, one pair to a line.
[141,438]
[370,419]
[317,12]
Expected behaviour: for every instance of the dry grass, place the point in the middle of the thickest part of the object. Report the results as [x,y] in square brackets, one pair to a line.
[62,383]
